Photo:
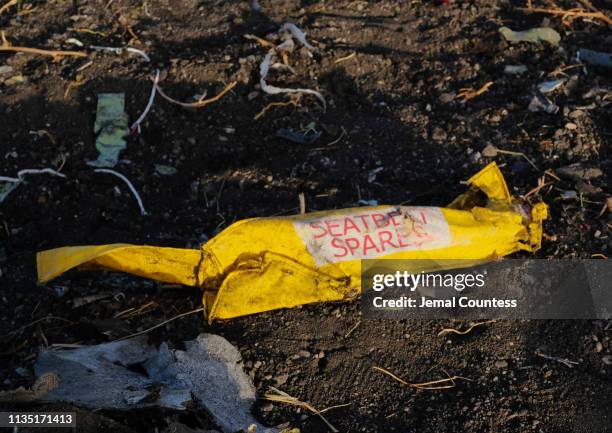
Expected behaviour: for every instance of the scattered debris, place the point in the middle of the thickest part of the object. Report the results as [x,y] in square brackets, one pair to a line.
[111,128]
[535,35]
[285,47]
[568,363]
[468,93]
[143,212]
[308,137]
[550,86]
[541,103]
[433,385]
[578,171]
[446,331]
[8,184]
[136,125]
[595,58]
[515,69]
[55,54]
[165,170]
[44,384]
[282,397]
[273,90]
[206,373]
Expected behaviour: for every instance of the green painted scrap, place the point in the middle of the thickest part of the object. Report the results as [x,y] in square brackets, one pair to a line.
[111,128]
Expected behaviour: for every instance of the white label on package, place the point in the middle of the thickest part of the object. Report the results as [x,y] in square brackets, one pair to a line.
[373,233]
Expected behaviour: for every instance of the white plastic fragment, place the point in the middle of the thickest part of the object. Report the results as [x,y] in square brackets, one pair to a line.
[74,41]
[273,90]
[136,125]
[515,69]
[15,181]
[297,33]
[119,51]
[550,86]
[128,183]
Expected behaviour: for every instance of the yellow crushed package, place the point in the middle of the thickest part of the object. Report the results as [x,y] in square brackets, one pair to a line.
[262,264]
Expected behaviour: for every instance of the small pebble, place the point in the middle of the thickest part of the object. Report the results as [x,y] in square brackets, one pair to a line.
[571,126]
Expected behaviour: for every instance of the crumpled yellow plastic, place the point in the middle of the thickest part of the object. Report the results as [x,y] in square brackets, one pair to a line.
[262,264]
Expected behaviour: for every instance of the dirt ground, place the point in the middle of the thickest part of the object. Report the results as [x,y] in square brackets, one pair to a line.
[392,105]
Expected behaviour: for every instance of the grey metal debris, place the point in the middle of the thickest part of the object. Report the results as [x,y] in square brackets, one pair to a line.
[132,374]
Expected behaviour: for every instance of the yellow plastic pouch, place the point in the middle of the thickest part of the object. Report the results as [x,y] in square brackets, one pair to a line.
[262,264]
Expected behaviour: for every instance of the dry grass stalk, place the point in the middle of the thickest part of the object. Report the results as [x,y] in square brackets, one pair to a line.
[569,15]
[282,397]
[198,104]
[434,385]
[8,5]
[294,102]
[159,325]
[261,41]
[446,331]
[345,58]
[468,93]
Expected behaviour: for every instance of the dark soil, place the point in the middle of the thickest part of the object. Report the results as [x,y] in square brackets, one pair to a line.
[396,100]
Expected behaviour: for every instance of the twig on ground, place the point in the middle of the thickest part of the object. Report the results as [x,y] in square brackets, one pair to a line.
[8,5]
[466,331]
[136,125]
[42,319]
[52,53]
[425,385]
[567,16]
[294,102]
[283,397]
[91,32]
[128,183]
[541,184]
[337,139]
[72,85]
[345,58]
[133,312]
[568,363]
[159,325]
[468,93]
[44,133]
[261,41]
[510,152]
[198,104]
[350,331]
